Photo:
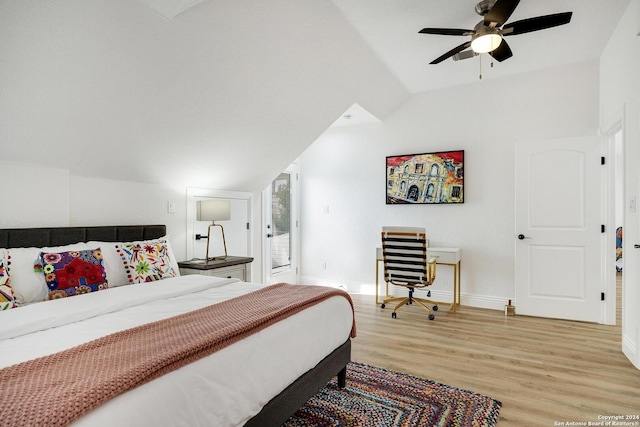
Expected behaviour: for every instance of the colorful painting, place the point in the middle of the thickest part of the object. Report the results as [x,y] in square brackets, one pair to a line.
[427,178]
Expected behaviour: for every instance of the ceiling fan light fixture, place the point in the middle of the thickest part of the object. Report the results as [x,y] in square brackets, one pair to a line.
[485,43]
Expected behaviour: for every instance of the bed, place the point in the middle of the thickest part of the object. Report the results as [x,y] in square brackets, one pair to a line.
[259,380]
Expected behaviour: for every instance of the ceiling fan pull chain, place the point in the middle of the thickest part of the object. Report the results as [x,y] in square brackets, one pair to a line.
[480,56]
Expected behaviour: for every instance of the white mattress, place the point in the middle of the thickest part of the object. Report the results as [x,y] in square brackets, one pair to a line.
[224,389]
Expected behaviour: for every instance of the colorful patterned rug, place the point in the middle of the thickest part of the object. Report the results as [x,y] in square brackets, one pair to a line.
[379,397]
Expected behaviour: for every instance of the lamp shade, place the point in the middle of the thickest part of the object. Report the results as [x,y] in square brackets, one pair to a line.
[213,210]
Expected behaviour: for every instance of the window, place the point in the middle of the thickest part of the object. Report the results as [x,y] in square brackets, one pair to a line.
[281,221]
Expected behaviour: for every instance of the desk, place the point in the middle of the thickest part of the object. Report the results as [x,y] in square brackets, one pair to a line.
[446,256]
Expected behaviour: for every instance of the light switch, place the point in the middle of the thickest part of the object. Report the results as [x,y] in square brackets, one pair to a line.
[171,207]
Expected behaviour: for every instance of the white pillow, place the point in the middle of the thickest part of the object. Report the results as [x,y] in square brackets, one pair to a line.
[116,275]
[28,285]
[113,265]
[173,259]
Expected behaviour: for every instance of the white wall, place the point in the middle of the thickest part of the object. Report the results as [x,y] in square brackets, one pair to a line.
[344,170]
[620,101]
[97,201]
[33,196]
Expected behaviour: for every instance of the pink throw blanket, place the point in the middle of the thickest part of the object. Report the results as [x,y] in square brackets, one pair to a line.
[54,390]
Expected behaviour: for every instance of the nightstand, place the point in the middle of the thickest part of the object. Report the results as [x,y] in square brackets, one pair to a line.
[231,267]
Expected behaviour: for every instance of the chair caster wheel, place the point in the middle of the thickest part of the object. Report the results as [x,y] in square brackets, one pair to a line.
[435,308]
[431,317]
[382,305]
[393,315]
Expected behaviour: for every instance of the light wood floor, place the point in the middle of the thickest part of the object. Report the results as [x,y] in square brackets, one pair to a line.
[542,370]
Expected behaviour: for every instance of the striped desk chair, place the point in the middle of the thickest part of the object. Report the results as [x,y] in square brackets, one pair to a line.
[404,251]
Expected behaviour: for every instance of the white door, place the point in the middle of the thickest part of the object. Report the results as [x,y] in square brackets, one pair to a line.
[280,213]
[558,229]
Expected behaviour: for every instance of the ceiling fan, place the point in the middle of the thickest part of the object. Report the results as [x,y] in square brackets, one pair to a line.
[487,35]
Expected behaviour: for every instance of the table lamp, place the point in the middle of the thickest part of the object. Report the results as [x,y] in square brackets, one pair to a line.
[214,210]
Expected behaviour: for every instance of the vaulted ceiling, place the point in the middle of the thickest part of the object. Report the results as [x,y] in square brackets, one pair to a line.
[225,95]
[391,28]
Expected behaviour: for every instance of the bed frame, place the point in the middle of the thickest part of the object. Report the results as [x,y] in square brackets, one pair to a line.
[278,409]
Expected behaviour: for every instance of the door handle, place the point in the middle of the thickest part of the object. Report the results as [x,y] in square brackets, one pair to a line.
[636,246]
[522,237]
[269,236]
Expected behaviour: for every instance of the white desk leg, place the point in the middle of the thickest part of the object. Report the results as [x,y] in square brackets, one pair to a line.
[459,273]
[377,263]
[452,309]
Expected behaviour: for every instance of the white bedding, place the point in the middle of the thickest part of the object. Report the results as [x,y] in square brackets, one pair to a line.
[224,389]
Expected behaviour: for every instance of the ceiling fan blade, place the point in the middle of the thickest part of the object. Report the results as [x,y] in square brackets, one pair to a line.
[537,23]
[502,53]
[500,12]
[452,52]
[447,31]
[465,54]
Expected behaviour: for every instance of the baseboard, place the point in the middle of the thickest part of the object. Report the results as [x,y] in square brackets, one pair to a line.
[308,280]
[470,300]
[630,349]
[484,301]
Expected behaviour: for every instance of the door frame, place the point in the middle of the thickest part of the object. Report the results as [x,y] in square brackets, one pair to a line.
[193,193]
[609,287]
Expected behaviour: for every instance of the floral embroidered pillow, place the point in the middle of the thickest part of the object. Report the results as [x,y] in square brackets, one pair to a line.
[73,272]
[7,300]
[146,261]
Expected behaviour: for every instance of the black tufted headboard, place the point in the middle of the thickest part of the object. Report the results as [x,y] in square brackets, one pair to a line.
[59,236]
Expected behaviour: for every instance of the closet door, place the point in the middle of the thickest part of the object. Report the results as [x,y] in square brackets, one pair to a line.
[558,235]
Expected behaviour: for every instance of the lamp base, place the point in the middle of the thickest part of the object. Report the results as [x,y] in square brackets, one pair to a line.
[224,242]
